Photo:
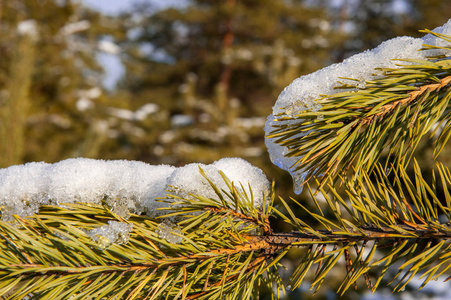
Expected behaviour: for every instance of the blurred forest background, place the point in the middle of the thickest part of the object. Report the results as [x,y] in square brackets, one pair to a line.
[200,78]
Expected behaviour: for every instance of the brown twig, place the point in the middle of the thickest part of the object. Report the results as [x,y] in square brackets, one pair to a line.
[266,227]
[389,107]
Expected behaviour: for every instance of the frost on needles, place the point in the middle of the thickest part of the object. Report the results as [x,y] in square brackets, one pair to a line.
[304,93]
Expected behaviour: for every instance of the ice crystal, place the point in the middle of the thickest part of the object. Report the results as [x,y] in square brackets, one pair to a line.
[170,232]
[114,232]
[118,205]
[307,104]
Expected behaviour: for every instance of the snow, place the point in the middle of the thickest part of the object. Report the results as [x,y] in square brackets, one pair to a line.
[126,186]
[170,232]
[83,104]
[180,120]
[109,47]
[92,93]
[75,27]
[114,232]
[301,94]
[145,110]
[123,186]
[139,115]
[236,169]
[121,113]
[28,28]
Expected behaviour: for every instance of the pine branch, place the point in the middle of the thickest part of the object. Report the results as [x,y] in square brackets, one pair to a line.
[354,127]
[224,246]
[202,248]
[399,222]
[412,96]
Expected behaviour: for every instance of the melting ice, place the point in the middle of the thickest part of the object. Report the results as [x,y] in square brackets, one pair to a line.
[170,232]
[114,232]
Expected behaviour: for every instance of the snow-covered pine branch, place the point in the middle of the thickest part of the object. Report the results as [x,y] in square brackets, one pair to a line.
[127,186]
[307,95]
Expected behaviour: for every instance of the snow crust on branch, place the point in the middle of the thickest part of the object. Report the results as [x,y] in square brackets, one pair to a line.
[125,186]
[301,94]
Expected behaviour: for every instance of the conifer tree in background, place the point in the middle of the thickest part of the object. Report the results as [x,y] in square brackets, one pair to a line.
[40,89]
[386,225]
[222,44]
[16,105]
[273,43]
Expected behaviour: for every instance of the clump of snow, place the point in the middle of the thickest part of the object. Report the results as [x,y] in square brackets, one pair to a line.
[181,120]
[121,113]
[139,115]
[84,104]
[188,179]
[124,186]
[90,181]
[75,27]
[26,197]
[301,94]
[170,232]
[114,232]
[145,110]
[28,28]
[91,93]
[109,47]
